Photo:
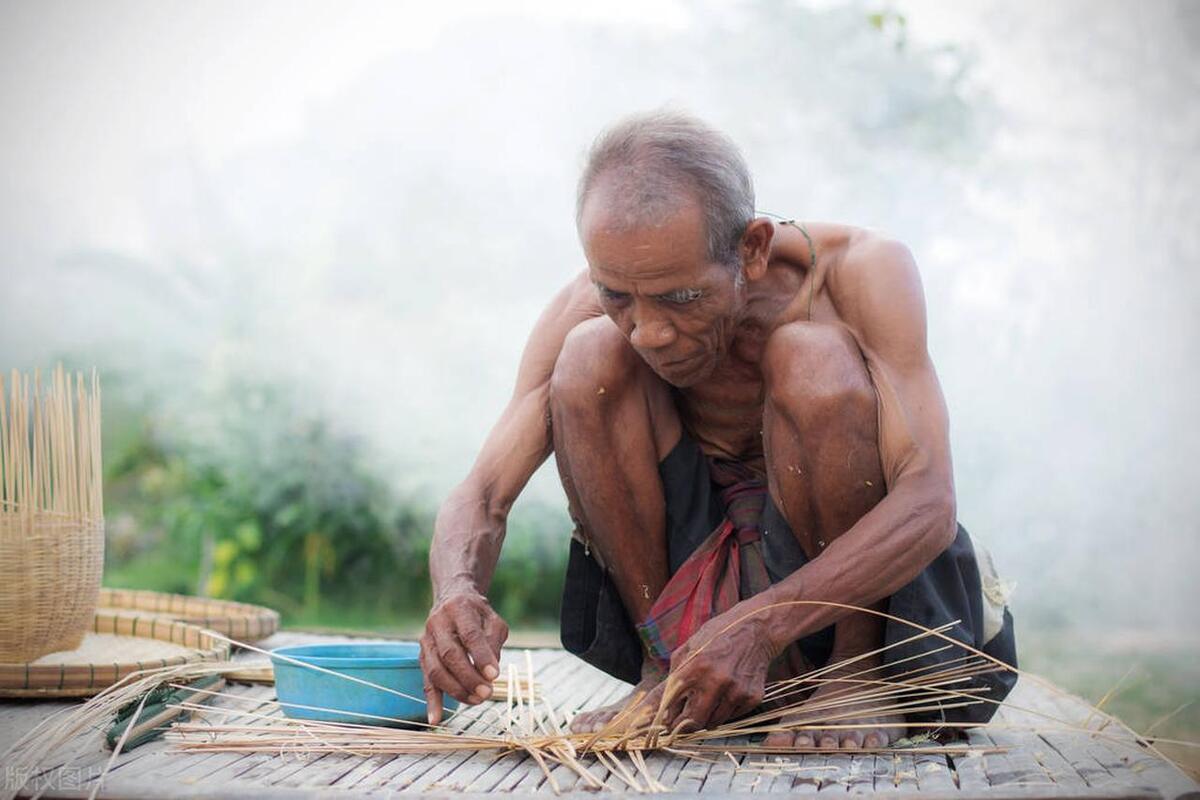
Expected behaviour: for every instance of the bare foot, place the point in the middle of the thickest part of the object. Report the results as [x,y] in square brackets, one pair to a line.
[595,719]
[878,731]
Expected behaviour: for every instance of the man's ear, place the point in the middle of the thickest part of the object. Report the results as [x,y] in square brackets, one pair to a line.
[756,247]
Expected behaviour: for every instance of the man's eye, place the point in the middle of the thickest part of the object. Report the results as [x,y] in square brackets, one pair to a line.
[681,296]
[609,294]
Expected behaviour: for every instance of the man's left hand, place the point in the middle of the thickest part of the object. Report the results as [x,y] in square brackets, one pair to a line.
[717,675]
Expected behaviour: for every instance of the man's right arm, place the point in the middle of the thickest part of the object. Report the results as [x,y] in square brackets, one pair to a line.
[461,646]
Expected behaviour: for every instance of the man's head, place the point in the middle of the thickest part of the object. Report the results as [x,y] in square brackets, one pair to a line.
[665,211]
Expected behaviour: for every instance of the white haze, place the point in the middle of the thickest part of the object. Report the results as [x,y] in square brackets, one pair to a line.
[375,202]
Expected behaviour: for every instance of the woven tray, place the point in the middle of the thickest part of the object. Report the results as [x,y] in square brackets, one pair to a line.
[241,621]
[120,642]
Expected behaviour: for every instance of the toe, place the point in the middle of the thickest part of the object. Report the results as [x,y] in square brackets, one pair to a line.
[875,740]
[828,741]
[778,739]
[851,740]
[804,740]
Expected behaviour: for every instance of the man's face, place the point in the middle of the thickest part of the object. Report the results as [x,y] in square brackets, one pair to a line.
[677,308]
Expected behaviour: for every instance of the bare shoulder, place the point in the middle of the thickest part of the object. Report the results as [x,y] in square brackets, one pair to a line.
[876,287]
[871,261]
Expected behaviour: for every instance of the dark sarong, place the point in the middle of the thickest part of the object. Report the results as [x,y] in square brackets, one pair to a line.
[960,584]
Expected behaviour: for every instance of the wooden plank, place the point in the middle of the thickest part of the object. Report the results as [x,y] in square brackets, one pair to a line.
[720,775]
[326,772]
[884,773]
[692,776]
[362,771]
[1002,770]
[744,776]
[1118,758]
[810,778]
[672,770]
[934,773]
[501,775]
[836,775]
[1016,765]
[904,773]
[969,774]
[1073,748]
[861,778]
[1055,767]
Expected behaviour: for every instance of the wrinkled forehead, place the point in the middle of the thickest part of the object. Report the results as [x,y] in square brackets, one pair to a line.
[624,199]
[672,242]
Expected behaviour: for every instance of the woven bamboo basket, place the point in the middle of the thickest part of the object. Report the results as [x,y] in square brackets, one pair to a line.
[51,514]
[241,621]
[116,644]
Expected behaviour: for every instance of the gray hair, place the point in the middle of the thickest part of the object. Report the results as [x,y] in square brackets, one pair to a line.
[657,159]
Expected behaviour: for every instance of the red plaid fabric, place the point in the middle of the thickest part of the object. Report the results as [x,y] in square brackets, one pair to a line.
[726,568]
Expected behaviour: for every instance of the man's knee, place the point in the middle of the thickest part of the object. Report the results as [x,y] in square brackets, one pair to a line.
[595,361]
[813,371]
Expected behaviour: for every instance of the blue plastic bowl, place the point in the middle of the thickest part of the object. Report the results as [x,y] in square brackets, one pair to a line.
[393,665]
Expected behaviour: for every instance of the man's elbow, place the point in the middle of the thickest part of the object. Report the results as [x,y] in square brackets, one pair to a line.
[942,519]
[933,514]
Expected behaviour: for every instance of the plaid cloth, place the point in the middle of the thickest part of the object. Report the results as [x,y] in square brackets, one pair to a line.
[726,568]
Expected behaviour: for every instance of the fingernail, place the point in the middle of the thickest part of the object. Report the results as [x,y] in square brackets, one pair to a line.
[473,700]
[490,672]
[483,690]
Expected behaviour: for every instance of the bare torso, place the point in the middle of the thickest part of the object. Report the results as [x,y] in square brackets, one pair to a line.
[724,412]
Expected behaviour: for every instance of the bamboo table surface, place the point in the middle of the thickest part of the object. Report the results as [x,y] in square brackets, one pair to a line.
[1033,764]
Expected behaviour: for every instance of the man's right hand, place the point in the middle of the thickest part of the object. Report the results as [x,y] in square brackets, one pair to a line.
[460,651]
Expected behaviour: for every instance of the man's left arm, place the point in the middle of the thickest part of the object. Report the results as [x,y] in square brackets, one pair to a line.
[882,302]
[888,547]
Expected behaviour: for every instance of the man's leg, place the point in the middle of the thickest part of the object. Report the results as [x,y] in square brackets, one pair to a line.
[613,421]
[820,424]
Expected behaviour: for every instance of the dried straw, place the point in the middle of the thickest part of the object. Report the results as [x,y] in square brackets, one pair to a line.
[51,512]
[528,724]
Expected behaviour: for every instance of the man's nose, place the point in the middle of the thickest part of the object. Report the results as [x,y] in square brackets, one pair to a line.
[650,333]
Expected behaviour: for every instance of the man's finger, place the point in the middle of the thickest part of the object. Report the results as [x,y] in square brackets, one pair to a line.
[482,654]
[433,705]
[454,659]
[437,676]
[699,707]
[726,709]
[674,708]
[496,631]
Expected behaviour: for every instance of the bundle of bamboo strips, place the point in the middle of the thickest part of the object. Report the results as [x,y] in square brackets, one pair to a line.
[522,723]
[51,513]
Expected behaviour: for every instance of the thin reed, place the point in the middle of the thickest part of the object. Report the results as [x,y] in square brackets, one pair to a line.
[522,723]
[51,512]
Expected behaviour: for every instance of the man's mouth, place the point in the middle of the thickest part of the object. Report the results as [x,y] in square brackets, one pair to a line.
[674,365]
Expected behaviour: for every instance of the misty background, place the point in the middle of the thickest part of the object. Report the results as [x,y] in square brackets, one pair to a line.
[336,223]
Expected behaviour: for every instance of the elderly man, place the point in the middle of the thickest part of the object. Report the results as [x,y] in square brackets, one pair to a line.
[744,415]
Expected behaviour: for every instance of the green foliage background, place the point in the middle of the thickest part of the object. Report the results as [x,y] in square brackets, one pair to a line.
[279,508]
